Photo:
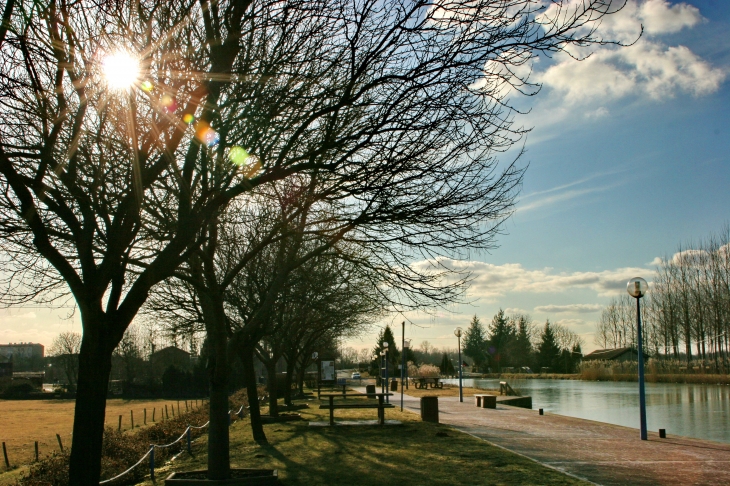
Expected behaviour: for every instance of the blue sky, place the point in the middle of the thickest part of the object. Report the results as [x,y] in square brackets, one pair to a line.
[629,156]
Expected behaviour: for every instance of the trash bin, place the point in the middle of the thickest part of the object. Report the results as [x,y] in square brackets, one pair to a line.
[370,390]
[394,385]
[430,409]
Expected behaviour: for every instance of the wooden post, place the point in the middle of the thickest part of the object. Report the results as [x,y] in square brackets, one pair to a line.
[60,444]
[131,418]
[166,413]
[5,453]
[178,408]
[186,405]
[145,417]
[153,414]
[36,451]
[173,410]
[120,423]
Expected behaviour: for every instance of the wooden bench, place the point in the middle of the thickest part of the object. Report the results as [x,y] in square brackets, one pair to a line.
[486,401]
[381,405]
[425,382]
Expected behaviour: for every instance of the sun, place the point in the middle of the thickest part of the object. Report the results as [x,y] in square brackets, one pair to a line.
[121,70]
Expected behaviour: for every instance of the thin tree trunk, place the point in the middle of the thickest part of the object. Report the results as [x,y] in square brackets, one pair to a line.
[257,428]
[288,382]
[273,388]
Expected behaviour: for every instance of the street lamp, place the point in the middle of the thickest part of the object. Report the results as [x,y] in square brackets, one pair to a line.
[403,370]
[637,288]
[457,333]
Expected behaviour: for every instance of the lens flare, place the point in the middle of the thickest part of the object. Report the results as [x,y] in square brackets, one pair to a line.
[238,155]
[188,118]
[146,86]
[121,70]
[205,134]
[168,103]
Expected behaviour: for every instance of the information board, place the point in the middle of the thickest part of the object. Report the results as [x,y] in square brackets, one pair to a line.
[328,370]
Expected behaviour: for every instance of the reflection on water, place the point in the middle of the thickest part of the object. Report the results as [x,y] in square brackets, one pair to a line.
[701,411]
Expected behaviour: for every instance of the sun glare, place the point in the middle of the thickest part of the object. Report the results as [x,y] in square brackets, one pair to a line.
[121,70]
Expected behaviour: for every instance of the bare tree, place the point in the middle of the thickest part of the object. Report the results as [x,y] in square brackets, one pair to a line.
[65,348]
[398,108]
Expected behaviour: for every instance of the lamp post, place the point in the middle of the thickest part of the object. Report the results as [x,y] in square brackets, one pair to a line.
[387,385]
[457,333]
[403,370]
[637,288]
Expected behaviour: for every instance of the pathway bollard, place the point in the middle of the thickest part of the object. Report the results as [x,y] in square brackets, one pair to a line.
[430,409]
[662,434]
[60,444]
[5,453]
[540,410]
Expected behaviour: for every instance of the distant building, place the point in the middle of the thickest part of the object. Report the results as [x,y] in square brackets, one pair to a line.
[6,369]
[21,350]
[170,356]
[618,354]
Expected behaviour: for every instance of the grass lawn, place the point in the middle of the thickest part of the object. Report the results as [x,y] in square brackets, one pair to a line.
[413,453]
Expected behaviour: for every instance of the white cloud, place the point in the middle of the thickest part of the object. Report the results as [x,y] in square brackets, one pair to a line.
[572,323]
[649,68]
[578,308]
[18,317]
[492,281]
[511,311]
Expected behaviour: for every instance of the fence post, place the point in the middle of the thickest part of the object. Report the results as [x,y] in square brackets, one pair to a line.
[190,451]
[166,412]
[145,416]
[153,413]
[173,410]
[5,453]
[60,444]
[152,462]
[186,405]
[36,451]
[120,423]
[178,408]
[131,417]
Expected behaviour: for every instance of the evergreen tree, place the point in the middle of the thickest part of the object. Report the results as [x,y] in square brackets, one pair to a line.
[475,343]
[548,351]
[501,335]
[521,352]
[446,367]
[386,336]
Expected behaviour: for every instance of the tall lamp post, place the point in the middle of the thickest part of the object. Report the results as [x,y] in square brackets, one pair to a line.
[457,333]
[403,370]
[637,288]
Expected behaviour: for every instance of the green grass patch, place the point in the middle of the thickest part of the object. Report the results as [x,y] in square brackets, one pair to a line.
[413,453]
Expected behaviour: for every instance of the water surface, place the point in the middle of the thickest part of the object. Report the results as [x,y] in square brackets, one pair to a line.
[700,411]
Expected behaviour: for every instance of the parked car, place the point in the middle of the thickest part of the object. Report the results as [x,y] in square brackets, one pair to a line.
[356,376]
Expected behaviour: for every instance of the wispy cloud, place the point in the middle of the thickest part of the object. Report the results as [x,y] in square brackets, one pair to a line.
[576,308]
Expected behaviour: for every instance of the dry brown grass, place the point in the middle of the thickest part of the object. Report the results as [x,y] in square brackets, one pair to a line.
[25,421]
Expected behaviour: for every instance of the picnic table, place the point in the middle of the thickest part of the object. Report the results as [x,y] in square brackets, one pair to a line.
[426,382]
[380,405]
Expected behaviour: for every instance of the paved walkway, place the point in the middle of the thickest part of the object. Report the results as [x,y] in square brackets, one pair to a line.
[601,453]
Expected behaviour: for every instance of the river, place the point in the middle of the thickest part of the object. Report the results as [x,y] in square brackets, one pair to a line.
[700,411]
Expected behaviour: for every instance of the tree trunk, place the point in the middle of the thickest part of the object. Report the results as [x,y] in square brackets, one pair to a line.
[272,388]
[95,365]
[288,381]
[257,428]
[219,466]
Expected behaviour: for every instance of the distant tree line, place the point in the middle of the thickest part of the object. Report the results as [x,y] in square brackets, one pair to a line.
[686,313]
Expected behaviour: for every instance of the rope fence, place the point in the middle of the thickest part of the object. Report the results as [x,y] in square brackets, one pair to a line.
[151,452]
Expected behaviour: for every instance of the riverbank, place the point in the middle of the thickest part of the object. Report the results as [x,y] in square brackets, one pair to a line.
[594,374]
